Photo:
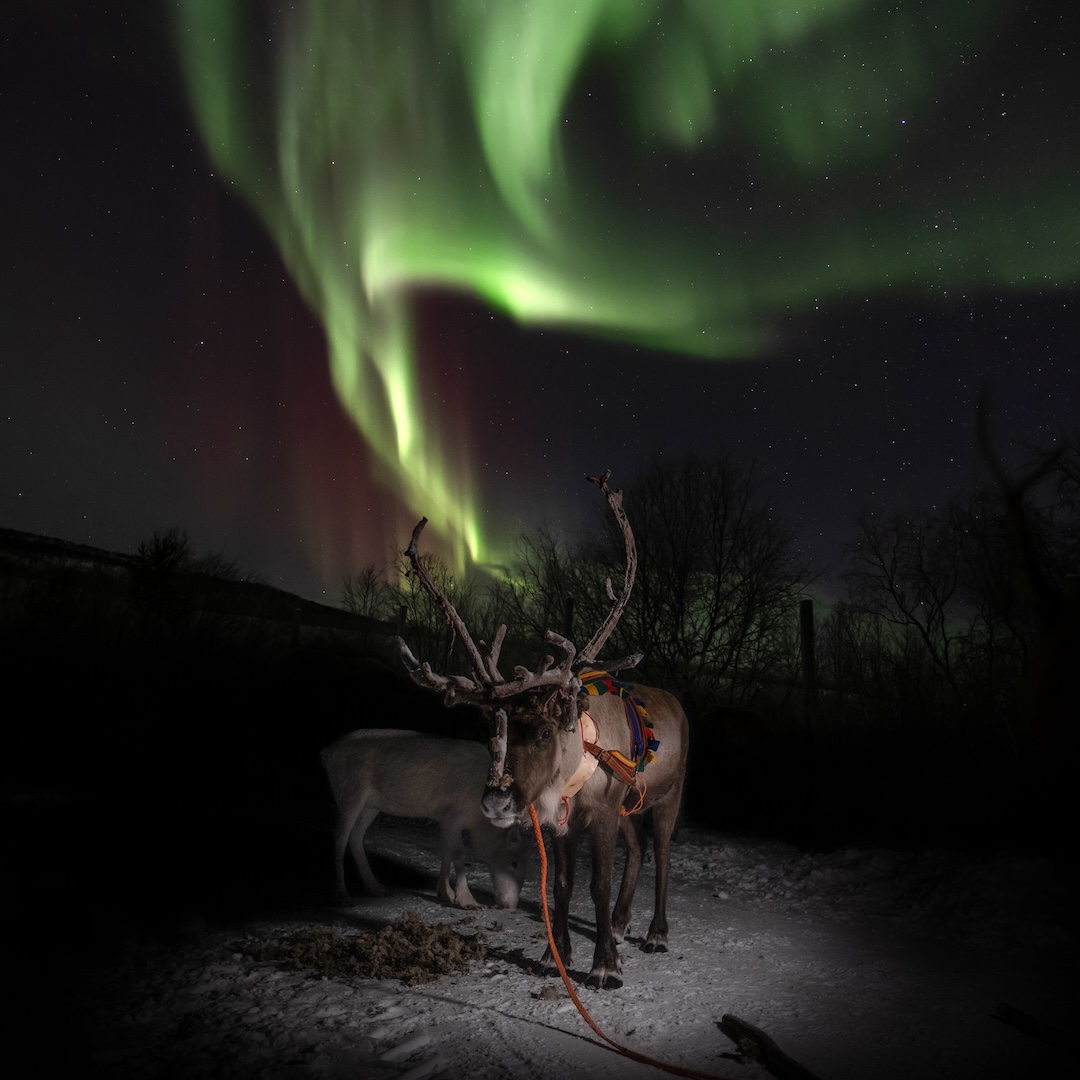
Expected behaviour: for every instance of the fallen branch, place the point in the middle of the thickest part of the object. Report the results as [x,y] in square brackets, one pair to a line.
[1029,1025]
[755,1045]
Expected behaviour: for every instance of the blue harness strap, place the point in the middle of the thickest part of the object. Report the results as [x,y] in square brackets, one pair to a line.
[597,683]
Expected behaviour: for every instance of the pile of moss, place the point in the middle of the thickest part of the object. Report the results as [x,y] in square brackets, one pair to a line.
[410,949]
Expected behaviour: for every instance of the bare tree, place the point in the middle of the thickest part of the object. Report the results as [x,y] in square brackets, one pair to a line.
[368,594]
[167,550]
[715,603]
[967,592]
[859,659]
[936,580]
[906,570]
[542,578]
[170,551]
[1045,580]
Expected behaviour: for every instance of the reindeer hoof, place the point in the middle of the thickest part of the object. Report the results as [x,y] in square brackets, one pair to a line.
[599,980]
[546,964]
[654,946]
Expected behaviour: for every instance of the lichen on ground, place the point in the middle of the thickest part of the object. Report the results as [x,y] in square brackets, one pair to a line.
[409,949]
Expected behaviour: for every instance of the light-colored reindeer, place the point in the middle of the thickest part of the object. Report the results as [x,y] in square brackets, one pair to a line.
[411,774]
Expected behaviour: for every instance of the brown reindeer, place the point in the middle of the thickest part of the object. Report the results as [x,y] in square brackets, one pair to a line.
[571,754]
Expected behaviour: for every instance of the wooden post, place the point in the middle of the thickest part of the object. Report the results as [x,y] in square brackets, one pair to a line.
[568,619]
[806,653]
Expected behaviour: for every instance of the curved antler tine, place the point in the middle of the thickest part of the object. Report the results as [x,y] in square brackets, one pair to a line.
[491,661]
[621,664]
[452,687]
[565,644]
[614,498]
[546,674]
[476,661]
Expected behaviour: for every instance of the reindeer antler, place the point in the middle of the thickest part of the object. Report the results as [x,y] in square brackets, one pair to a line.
[599,639]
[452,687]
[484,677]
[487,684]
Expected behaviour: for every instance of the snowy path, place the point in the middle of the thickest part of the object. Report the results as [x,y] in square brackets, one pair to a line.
[862,965]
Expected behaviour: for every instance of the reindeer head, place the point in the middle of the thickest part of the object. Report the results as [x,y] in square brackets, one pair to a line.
[535,738]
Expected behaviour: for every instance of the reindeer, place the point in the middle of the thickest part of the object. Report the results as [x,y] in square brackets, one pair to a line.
[573,757]
[409,774]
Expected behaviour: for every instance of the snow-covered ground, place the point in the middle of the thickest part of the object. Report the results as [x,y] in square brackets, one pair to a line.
[860,964]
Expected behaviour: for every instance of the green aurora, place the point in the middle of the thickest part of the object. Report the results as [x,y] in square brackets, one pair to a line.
[680,175]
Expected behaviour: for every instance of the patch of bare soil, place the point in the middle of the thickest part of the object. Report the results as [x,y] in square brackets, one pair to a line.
[410,949]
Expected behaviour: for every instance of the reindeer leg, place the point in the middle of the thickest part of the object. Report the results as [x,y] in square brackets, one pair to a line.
[346,820]
[356,845]
[565,857]
[664,817]
[632,830]
[606,970]
[453,853]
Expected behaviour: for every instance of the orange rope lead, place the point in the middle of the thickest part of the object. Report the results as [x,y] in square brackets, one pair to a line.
[640,800]
[678,1070]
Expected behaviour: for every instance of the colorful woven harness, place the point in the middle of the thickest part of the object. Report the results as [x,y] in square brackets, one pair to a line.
[645,744]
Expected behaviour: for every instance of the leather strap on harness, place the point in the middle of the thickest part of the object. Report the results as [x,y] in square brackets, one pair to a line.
[626,769]
[644,742]
[587,765]
[592,754]
[622,767]
[617,764]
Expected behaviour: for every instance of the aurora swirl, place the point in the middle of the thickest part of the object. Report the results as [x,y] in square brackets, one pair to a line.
[678,175]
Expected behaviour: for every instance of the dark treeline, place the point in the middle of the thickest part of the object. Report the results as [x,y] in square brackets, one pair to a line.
[54,593]
[938,702]
[940,707]
[161,744]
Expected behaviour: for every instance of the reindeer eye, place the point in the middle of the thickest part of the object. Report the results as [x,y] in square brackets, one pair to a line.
[545,734]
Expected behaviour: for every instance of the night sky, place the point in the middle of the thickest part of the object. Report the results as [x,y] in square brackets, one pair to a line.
[807,241]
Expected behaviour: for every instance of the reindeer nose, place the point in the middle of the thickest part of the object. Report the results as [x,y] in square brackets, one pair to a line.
[498,806]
